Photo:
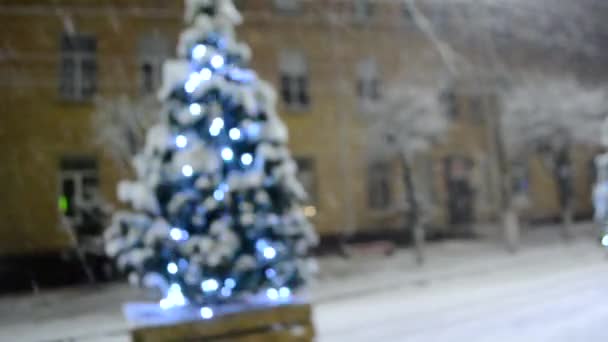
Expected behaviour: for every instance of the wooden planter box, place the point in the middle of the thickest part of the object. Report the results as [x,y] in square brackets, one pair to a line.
[239,323]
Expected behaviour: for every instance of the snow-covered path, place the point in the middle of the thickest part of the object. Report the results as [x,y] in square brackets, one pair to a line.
[468,291]
[554,294]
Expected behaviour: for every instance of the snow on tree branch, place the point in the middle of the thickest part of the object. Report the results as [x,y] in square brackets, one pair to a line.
[409,119]
[120,125]
[552,111]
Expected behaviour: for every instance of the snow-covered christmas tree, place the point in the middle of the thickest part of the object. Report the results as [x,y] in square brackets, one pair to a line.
[218,214]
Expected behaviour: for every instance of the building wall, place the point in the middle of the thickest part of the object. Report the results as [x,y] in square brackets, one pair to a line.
[38,128]
[543,194]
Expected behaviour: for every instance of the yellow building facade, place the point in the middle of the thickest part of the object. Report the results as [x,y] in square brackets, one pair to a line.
[58,55]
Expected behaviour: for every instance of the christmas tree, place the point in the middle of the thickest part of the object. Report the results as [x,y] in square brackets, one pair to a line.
[218,206]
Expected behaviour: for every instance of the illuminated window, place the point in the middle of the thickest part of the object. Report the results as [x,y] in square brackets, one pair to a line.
[79,192]
[78,69]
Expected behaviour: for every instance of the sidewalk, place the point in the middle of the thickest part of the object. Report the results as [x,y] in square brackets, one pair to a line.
[94,313]
[445,260]
[548,292]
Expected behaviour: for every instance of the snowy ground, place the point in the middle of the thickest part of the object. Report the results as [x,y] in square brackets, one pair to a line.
[468,291]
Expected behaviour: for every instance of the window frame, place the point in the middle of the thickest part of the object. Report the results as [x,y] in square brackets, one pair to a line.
[294,80]
[74,51]
[368,83]
[77,169]
[476,106]
[449,99]
[379,194]
[153,50]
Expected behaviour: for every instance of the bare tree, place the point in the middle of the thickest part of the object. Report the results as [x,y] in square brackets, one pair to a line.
[120,124]
[548,117]
[493,38]
[407,121]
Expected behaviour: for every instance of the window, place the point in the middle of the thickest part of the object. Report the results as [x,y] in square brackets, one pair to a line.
[460,192]
[368,83]
[153,51]
[79,194]
[520,171]
[406,13]
[427,180]
[487,188]
[147,78]
[78,69]
[476,109]
[364,9]
[287,6]
[307,176]
[294,79]
[448,98]
[379,190]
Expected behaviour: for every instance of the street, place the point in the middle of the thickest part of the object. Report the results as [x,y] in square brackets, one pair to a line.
[550,295]
[334,171]
[470,290]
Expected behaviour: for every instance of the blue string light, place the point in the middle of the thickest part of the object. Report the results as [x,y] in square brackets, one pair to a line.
[179,234]
[269,253]
[234,133]
[209,285]
[206,312]
[226,292]
[195,109]
[217,61]
[218,195]
[227,154]
[246,159]
[199,51]
[206,74]
[272,294]
[187,170]
[174,297]
[216,126]
[181,141]
[270,273]
[172,268]
[230,283]
[192,83]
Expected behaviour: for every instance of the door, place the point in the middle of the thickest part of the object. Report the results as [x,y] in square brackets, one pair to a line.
[460,194]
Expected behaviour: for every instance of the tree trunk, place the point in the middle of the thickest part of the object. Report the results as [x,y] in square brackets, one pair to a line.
[563,175]
[511,229]
[508,215]
[567,219]
[413,213]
